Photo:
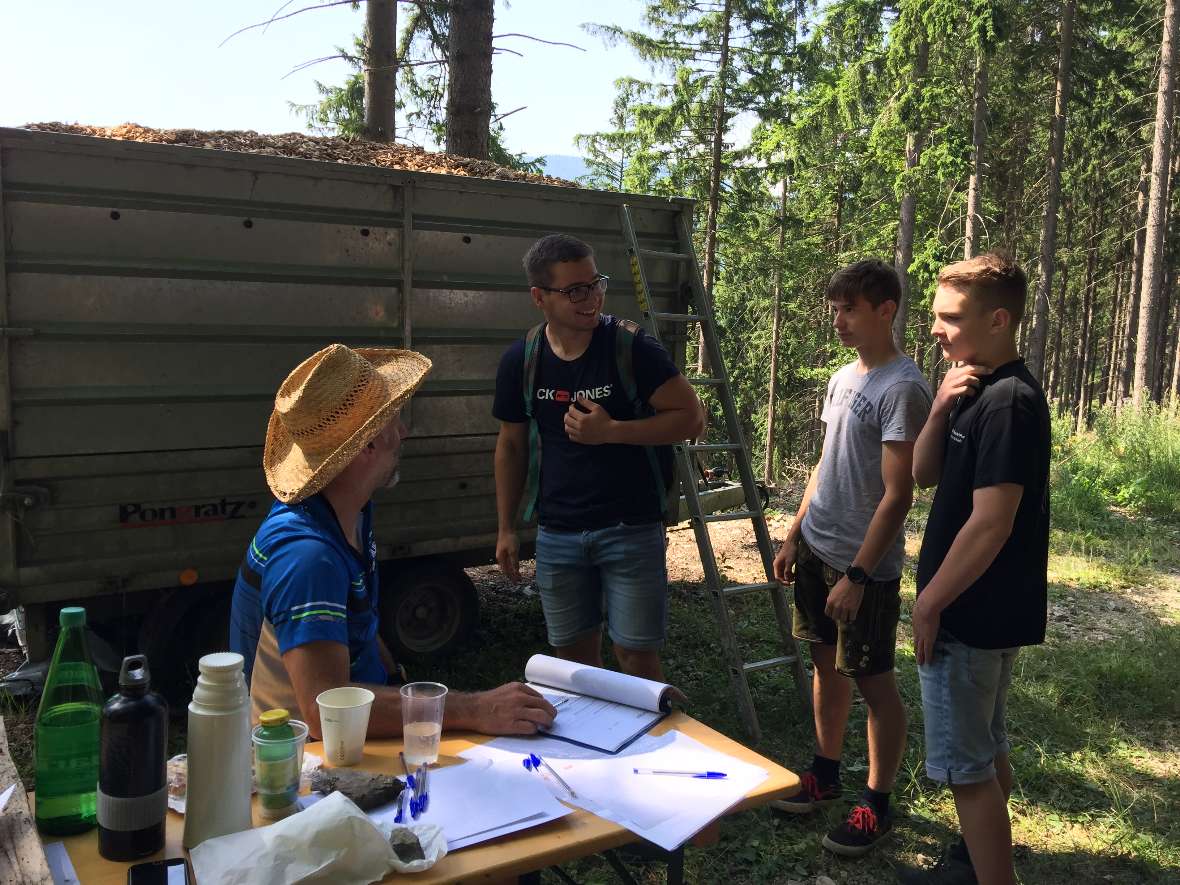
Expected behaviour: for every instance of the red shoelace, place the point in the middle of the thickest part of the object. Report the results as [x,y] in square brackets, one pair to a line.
[863,818]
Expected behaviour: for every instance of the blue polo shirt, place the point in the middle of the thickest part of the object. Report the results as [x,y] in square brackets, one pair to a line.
[301,581]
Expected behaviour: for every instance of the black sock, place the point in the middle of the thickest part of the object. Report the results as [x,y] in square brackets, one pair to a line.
[959,851]
[827,771]
[879,802]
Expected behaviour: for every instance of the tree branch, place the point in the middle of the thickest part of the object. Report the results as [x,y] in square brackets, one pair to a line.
[508,114]
[278,18]
[539,40]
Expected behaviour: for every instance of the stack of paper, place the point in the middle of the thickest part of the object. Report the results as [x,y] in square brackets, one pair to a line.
[479,800]
[666,810]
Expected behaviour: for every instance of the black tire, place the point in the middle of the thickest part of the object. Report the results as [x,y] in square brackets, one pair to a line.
[184,625]
[428,609]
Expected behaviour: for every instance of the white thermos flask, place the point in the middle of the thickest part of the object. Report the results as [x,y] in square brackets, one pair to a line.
[219,751]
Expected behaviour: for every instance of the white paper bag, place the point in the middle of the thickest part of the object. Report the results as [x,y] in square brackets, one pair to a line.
[332,841]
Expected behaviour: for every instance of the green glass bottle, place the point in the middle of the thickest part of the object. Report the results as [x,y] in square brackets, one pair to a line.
[67,732]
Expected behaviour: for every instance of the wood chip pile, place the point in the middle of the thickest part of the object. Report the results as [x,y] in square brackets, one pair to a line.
[310,147]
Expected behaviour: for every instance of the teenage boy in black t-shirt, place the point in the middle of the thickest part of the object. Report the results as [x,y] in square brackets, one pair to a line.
[982,586]
[601,537]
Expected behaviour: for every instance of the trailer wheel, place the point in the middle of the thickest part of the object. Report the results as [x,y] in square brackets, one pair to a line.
[185,624]
[428,609]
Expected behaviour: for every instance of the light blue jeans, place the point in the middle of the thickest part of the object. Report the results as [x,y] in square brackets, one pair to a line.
[964,700]
[622,569]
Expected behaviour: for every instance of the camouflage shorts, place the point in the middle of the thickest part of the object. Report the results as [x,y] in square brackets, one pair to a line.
[867,645]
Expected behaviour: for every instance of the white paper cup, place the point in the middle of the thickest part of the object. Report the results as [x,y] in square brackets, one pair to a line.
[344,721]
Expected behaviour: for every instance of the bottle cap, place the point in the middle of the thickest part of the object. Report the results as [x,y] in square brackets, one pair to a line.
[73,616]
[221,662]
[134,673]
[271,718]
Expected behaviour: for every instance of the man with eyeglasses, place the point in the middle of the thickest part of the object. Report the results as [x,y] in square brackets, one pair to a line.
[563,391]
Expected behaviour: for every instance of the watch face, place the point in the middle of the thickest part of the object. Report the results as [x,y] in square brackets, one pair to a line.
[857,575]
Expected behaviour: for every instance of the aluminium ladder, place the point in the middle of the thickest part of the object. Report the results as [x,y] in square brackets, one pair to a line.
[737,667]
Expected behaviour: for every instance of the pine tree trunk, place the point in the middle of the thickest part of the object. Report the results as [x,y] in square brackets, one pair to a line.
[1038,332]
[469,82]
[1084,356]
[978,139]
[1176,360]
[1157,221]
[903,253]
[719,127]
[1131,321]
[1054,382]
[380,69]
[768,471]
[1111,350]
[1161,335]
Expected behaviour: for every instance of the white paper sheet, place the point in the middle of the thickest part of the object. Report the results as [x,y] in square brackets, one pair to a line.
[479,800]
[5,796]
[646,694]
[665,810]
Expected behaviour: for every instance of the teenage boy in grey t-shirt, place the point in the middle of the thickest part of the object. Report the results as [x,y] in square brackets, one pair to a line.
[845,551]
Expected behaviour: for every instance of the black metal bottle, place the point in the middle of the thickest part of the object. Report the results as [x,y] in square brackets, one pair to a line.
[132,767]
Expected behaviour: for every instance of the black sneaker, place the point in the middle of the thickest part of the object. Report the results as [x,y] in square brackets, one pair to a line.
[949,870]
[811,795]
[859,834]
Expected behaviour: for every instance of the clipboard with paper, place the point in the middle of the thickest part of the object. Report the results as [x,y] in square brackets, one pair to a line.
[596,708]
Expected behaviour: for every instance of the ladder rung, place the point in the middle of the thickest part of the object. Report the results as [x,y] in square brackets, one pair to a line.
[713,447]
[707,382]
[677,317]
[664,256]
[730,517]
[743,589]
[768,663]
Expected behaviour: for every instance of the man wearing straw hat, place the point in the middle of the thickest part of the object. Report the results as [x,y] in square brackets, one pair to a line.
[305,601]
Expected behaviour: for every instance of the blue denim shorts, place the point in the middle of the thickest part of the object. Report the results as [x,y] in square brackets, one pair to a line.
[964,697]
[622,569]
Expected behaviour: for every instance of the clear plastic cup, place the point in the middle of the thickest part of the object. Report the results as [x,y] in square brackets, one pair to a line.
[422,719]
[344,722]
[278,764]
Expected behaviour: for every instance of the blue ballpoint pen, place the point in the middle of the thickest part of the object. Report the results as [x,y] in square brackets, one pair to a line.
[699,775]
[532,761]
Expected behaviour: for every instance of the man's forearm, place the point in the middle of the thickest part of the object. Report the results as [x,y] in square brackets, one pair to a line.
[887,521]
[662,429]
[511,467]
[929,449]
[975,548]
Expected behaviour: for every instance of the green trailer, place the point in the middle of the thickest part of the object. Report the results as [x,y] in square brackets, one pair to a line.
[152,298]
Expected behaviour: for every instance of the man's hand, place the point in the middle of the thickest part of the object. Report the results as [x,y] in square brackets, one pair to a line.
[925,620]
[959,381]
[513,708]
[844,601]
[784,562]
[508,555]
[588,423]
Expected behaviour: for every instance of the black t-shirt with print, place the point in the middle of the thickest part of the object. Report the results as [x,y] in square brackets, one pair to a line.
[587,487]
[1000,435]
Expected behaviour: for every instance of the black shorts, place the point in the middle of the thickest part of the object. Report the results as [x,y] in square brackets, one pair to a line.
[867,645]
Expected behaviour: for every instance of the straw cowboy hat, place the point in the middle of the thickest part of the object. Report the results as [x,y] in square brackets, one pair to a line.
[332,406]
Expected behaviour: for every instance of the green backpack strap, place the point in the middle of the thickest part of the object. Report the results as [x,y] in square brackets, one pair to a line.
[532,484]
[625,333]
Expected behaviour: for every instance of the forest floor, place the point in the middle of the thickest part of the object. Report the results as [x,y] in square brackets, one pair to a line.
[1094,715]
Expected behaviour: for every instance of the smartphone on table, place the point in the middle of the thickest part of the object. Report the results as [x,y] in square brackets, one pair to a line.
[173,871]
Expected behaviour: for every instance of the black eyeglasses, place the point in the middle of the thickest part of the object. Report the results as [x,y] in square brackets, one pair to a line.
[582,291]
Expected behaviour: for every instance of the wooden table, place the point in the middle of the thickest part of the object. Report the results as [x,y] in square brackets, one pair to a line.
[504,859]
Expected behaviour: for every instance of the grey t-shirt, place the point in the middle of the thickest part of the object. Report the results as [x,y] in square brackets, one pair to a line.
[888,403]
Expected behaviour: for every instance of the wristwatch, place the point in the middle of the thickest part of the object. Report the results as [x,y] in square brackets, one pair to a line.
[857,575]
